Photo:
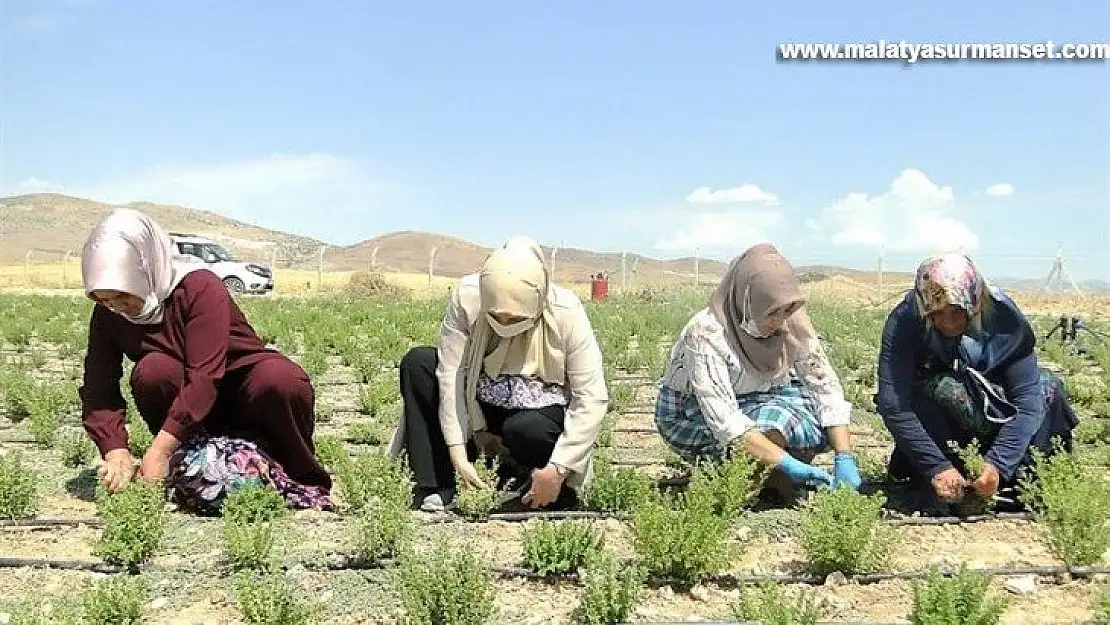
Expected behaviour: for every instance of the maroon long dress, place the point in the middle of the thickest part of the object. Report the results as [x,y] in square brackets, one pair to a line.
[204,367]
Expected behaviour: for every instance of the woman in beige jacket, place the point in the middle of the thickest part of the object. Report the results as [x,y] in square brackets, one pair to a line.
[517,370]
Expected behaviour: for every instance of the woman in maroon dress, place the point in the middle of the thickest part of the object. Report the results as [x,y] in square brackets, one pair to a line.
[224,408]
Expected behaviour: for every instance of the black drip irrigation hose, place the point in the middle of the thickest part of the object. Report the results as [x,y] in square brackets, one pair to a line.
[634,430]
[757,623]
[346,562]
[50,522]
[350,382]
[520,517]
[638,463]
[632,463]
[95,566]
[956,520]
[730,581]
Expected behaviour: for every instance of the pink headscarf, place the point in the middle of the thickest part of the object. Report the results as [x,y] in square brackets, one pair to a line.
[128,252]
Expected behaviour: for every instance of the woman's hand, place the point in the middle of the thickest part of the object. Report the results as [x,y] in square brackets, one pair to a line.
[987,484]
[949,485]
[846,471]
[468,475]
[802,473]
[546,485]
[117,470]
[766,451]
[156,460]
[155,465]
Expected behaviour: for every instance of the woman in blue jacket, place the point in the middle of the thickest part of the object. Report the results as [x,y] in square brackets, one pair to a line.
[957,363]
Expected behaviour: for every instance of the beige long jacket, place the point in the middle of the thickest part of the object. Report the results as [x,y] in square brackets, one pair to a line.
[585,379]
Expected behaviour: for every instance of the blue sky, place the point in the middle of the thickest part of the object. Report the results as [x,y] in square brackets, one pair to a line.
[649,126]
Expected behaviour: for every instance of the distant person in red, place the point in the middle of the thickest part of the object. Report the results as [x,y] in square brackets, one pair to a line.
[225,409]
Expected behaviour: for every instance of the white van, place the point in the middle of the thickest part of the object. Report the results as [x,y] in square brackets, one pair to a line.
[240,277]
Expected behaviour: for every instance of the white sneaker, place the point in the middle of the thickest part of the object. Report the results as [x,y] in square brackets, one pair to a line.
[434,503]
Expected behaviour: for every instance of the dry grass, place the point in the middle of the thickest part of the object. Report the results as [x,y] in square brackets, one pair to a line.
[67,277]
[56,275]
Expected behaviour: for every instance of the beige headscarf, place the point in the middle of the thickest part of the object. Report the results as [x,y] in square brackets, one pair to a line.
[128,252]
[514,280]
[758,282]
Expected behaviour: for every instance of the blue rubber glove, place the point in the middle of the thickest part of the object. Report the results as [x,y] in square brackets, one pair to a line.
[802,473]
[844,466]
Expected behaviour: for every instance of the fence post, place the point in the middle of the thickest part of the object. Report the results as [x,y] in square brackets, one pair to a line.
[882,266]
[65,267]
[320,270]
[697,267]
[624,272]
[374,259]
[27,267]
[431,264]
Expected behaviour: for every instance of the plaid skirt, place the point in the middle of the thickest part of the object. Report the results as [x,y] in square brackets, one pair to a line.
[791,410]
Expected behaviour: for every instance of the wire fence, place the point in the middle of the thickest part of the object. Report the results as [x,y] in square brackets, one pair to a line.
[433,271]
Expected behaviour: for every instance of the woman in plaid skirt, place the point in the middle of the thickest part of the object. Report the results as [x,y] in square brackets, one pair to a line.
[748,371]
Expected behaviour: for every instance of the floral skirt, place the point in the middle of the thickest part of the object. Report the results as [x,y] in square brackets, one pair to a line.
[206,470]
[949,392]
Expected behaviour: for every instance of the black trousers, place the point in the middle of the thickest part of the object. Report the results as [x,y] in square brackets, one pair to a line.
[529,435]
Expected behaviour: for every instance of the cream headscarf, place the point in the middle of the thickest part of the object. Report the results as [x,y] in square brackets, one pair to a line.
[760,281]
[514,280]
[128,252]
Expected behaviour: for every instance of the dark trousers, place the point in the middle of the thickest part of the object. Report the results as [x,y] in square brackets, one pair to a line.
[270,403]
[529,435]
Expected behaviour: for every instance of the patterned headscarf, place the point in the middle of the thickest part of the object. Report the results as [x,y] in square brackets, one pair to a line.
[949,279]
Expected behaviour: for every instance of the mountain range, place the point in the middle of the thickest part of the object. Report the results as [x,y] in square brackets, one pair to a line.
[48,225]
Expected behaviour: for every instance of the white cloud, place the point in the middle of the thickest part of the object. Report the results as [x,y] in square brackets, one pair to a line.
[312,194]
[312,186]
[915,215]
[743,194]
[726,232]
[34,185]
[1001,189]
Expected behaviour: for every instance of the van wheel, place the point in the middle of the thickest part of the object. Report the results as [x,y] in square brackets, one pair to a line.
[235,285]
